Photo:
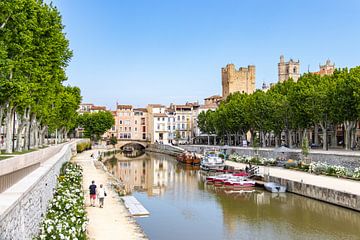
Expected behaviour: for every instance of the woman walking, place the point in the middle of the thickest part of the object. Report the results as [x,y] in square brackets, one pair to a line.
[101,195]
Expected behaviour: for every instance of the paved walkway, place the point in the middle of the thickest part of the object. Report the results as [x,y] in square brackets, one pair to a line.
[339,184]
[112,221]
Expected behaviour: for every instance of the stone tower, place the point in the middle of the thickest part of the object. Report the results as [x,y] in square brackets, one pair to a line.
[242,80]
[327,69]
[290,69]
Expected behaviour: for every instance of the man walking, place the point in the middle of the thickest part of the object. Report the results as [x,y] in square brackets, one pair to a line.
[92,189]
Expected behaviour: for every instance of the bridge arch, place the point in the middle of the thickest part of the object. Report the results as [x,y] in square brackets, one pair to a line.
[122,144]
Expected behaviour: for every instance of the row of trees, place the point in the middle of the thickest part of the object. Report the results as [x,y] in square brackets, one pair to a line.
[34,53]
[290,108]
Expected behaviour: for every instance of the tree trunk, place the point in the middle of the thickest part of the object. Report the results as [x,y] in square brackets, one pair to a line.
[19,133]
[290,138]
[208,137]
[316,134]
[36,133]
[349,125]
[263,142]
[32,130]
[9,128]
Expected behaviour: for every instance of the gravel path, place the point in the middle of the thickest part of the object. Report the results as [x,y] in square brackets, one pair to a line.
[112,221]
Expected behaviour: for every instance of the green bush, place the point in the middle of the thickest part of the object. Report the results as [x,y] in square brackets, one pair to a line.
[80,147]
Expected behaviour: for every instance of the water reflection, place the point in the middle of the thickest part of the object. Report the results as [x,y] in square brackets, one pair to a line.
[178,199]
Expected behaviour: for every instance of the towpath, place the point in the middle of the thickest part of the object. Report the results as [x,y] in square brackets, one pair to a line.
[112,221]
[339,184]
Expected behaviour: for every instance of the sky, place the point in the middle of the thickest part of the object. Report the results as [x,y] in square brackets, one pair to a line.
[167,51]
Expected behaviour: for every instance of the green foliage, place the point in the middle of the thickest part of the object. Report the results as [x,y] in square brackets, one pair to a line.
[80,147]
[95,124]
[34,54]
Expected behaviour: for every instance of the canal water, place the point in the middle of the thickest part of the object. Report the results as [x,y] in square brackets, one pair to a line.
[181,206]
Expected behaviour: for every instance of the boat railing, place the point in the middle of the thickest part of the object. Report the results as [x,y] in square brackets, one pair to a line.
[253,171]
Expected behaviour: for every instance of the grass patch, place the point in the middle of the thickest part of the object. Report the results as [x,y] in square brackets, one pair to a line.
[4,157]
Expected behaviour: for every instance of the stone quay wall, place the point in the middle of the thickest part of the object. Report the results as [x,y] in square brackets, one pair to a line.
[23,205]
[348,159]
[164,148]
[332,196]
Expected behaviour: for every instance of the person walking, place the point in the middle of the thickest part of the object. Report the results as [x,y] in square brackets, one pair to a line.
[92,189]
[101,195]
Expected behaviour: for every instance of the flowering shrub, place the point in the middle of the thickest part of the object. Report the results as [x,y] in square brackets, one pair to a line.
[66,216]
[247,159]
[356,173]
[323,168]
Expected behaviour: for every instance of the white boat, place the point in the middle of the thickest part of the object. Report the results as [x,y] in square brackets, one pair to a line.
[212,161]
[274,187]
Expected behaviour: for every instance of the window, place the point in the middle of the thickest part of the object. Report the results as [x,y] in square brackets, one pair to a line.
[135,121]
[144,128]
[168,127]
[183,118]
[135,129]
[174,127]
[125,128]
[182,126]
[129,128]
[144,136]
[294,69]
[178,118]
[163,119]
[127,122]
[158,126]
[183,134]
[142,121]
[158,119]
[120,122]
[169,119]
[120,128]
[178,126]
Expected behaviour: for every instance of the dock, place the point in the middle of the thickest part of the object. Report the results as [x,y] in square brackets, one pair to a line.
[134,206]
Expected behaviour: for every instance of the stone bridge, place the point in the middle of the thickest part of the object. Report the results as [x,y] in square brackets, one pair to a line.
[125,142]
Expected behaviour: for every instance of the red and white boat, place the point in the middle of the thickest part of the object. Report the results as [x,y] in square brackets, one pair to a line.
[220,179]
[239,182]
[211,179]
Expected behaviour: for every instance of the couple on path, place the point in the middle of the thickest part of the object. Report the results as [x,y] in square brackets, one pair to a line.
[101,193]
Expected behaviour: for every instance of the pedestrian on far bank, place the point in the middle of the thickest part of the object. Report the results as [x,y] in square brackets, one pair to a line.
[101,195]
[92,189]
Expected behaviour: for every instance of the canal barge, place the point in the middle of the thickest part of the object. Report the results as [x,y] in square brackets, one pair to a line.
[189,158]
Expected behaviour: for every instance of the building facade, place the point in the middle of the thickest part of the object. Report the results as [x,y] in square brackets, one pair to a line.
[242,80]
[131,123]
[290,69]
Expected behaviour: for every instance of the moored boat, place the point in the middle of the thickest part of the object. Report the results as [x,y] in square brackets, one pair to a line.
[239,182]
[212,161]
[189,158]
[274,187]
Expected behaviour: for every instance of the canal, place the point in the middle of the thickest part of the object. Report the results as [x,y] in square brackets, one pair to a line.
[181,206]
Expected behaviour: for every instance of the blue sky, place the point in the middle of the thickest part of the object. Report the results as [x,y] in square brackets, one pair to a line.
[158,51]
